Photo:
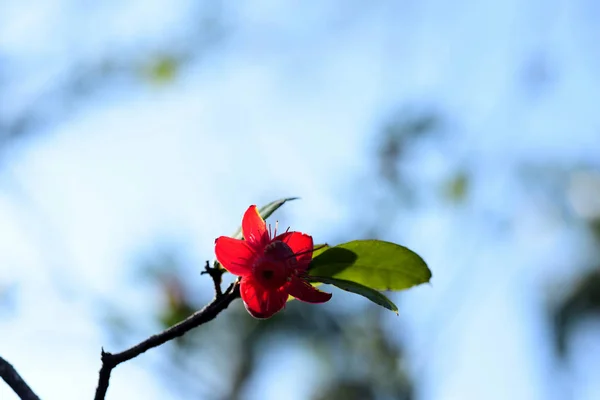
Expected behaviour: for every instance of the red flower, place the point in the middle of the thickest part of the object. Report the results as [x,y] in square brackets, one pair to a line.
[270,268]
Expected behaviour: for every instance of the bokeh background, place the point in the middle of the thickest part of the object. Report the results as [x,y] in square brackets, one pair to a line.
[134,133]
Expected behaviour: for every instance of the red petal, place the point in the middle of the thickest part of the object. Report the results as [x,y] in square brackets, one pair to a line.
[301,244]
[262,303]
[254,228]
[304,291]
[235,255]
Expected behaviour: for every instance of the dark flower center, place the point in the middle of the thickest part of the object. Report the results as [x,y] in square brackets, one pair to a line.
[267,274]
[275,266]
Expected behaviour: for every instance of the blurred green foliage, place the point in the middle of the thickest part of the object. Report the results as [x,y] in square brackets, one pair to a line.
[582,301]
[162,69]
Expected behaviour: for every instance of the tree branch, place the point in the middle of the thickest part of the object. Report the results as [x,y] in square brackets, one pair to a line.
[208,313]
[10,375]
[216,273]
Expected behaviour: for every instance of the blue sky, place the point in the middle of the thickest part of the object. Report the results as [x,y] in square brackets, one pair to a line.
[288,103]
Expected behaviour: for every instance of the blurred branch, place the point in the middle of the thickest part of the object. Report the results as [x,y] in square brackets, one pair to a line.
[10,375]
[208,313]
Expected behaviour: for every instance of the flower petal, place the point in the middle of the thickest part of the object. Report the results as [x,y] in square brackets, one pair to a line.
[235,255]
[260,302]
[301,244]
[254,228]
[304,291]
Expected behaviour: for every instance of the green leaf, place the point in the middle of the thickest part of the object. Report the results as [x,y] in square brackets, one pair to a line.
[376,264]
[265,212]
[371,294]
[319,248]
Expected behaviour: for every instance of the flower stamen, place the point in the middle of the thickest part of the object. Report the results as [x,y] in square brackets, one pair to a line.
[300,253]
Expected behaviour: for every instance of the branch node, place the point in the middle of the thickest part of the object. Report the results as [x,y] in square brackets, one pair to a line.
[216,273]
[106,357]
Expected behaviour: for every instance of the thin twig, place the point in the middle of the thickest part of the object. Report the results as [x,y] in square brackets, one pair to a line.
[216,273]
[10,375]
[110,361]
